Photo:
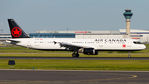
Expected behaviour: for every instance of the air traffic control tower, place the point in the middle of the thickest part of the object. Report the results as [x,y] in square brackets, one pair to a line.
[127,14]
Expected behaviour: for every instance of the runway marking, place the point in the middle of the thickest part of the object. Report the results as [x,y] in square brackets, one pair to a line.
[133,76]
[110,79]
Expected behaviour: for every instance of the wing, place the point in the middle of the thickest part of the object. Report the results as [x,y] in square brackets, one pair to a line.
[70,46]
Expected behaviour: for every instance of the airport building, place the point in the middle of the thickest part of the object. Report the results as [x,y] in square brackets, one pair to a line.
[52,35]
[142,35]
[5,36]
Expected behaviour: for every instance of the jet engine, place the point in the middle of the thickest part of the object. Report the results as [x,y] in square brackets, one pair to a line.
[88,51]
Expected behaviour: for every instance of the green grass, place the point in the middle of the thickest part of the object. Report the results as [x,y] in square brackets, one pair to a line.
[77,64]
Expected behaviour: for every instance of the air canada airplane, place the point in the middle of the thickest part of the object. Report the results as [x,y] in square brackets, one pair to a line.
[86,46]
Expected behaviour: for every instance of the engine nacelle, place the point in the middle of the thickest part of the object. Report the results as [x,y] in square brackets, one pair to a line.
[89,51]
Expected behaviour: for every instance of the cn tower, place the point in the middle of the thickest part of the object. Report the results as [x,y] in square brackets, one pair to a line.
[127,14]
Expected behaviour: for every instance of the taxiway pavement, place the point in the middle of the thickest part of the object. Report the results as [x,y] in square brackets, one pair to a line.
[73,77]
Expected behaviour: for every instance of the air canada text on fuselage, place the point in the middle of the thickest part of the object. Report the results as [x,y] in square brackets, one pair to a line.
[110,40]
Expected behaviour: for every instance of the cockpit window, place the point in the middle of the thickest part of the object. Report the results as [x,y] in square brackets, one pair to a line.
[135,42]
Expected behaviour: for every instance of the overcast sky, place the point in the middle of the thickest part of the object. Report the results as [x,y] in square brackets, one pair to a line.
[35,15]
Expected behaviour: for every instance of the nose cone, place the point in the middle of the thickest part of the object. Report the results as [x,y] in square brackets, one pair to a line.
[142,47]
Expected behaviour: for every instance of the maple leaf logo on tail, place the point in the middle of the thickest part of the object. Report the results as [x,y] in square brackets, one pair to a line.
[16,32]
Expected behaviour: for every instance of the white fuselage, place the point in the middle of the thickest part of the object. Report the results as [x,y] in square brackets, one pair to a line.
[97,44]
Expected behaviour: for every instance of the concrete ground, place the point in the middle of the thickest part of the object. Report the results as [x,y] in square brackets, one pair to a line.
[73,77]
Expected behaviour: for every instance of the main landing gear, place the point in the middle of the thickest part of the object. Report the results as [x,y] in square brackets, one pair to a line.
[75,54]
